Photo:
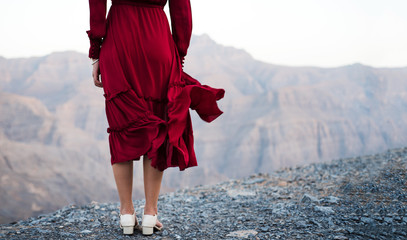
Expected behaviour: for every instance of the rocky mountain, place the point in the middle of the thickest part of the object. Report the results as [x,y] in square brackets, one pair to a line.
[278,116]
[356,198]
[53,140]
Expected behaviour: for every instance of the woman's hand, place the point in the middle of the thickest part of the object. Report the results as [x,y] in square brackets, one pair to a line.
[96,75]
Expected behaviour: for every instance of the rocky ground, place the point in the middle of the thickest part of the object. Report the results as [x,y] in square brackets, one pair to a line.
[357,198]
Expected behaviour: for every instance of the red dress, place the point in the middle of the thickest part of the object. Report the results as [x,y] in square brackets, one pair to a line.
[147,93]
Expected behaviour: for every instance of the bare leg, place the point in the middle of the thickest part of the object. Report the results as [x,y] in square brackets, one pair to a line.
[152,185]
[123,175]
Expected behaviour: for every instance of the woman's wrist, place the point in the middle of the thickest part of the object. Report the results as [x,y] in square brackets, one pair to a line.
[94,61]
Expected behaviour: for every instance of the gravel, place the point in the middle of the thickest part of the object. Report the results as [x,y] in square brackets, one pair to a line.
[356,198]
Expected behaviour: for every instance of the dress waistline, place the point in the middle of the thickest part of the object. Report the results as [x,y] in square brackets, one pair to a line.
[139,4]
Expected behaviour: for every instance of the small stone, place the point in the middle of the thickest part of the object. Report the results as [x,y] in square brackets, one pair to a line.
[279,209]
[86,231]
[366,220]
[235,192]
[96,225]
[316,223]
[340,230]
[43,231]
[301,224]
[327,210]
[350,230]
[331,199]
[165,233]
[254,181]
[70,235]
[282,183]
[388,219]
[70,220]
[242,233]
[340,237]
[307,198]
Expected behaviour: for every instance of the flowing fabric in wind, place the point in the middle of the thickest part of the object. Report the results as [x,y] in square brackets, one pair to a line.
[147,93]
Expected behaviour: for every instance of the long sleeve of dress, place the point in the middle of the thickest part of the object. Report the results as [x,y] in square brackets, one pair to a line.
[181,24]
[97,26]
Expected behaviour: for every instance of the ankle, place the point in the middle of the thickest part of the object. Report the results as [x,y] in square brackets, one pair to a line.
[150,210]
[126,210]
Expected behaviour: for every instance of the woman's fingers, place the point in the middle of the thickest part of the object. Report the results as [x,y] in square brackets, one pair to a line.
[96,75]
[98,83]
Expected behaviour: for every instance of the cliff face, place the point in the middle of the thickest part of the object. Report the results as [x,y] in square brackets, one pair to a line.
[53,125]
[356,198]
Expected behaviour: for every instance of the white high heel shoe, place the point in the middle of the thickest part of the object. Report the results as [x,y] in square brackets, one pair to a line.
[149,223]
[128,223]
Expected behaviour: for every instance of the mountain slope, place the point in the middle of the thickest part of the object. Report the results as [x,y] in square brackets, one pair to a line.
[356,198]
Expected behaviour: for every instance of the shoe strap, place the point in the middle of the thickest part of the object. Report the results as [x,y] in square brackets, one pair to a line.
[149,220]
[128,219]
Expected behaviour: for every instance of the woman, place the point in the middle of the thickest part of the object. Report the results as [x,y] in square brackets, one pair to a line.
[138,61]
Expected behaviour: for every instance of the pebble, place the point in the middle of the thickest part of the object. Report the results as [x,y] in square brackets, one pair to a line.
[355,198]
[254,181]
[242,233]
[234,193]
[307,198]
[331,199]
[340,237]
[367,220]
[388,219]
[301,224]
[326,210]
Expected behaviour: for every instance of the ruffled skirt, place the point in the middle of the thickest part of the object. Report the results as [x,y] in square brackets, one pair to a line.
[147,94]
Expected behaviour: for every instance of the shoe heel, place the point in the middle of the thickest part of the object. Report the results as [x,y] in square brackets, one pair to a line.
[128,230]
[147,230]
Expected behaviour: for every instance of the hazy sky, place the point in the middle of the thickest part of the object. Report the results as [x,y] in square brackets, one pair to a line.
[288,32]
